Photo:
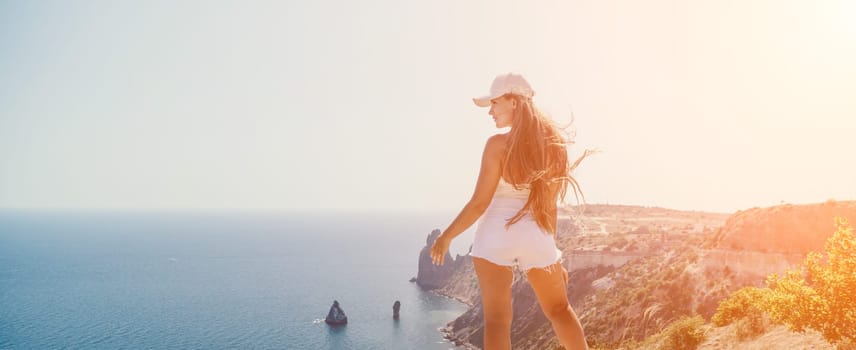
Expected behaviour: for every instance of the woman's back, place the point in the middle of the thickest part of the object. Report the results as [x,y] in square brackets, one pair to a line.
[506,190]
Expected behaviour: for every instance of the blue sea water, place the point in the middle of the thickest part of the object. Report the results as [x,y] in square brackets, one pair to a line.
[215,280]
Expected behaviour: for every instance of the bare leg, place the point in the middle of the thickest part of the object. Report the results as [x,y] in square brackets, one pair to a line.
[549,286]
[495,285]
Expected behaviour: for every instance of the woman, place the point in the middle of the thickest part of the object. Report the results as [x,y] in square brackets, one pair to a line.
[523,174]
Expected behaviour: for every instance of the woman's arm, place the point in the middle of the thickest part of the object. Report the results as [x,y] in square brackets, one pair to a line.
[491,171]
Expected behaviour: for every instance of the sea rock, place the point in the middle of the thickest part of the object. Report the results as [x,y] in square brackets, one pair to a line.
[336,316]
[432,276]
[395,308]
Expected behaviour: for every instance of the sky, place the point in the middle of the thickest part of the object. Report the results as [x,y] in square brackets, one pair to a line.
[323,105]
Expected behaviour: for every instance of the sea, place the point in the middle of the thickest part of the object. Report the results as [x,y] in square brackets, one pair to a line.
[100,279]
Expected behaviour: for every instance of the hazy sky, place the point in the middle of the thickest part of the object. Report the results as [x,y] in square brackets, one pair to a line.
[697,105]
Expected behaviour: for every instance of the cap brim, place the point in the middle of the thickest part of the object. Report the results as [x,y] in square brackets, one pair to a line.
[483,101]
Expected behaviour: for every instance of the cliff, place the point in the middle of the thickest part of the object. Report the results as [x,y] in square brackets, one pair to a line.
[430,276]
[783,228]
[587,256]
[634,270]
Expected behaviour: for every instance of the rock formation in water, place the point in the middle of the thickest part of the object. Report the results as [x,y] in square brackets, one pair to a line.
[431,276]
[395,308]
[336,316]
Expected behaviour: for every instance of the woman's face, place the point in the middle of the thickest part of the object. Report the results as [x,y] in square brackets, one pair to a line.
[502,110]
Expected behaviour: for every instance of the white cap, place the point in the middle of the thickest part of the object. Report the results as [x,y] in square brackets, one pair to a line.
[511,83]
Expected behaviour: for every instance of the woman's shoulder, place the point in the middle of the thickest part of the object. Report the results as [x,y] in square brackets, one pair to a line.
[497,142]
[498,139]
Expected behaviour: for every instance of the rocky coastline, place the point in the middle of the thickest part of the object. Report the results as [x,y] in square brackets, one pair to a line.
[674,254]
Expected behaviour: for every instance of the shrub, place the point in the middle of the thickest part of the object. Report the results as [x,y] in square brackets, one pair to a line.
[683,334]
[820,296]
[742,303]
[823,295]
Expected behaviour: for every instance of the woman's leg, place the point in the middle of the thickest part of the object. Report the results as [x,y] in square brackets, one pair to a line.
[495,285]
[549,286]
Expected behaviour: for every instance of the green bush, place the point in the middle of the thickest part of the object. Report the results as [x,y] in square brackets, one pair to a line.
[683,334]
[742,303]
[822,296]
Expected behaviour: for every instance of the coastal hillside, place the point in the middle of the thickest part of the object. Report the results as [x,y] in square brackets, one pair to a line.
[636,270]
[784,228]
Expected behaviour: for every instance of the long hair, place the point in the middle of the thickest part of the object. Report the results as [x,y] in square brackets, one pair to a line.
[537,158]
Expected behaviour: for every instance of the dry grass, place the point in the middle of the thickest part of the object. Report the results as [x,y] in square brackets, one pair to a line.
[776,337]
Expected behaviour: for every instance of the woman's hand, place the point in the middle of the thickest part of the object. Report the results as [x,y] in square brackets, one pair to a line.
[439,250]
